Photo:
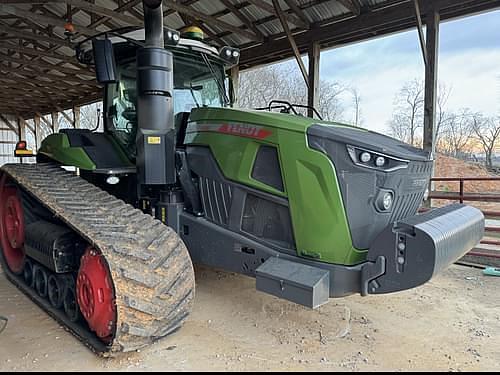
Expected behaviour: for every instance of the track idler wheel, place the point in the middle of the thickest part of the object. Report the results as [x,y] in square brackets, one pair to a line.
[96,296]
[40,278]
[11,227]
[55,291]
[70,304]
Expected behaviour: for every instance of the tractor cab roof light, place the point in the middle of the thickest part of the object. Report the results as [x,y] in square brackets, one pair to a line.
[230,54]
[171,37]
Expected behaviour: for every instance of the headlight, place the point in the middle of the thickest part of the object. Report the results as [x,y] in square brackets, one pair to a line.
[387,201]
[375,160]
[365,157]
[112,180]
[380,161]
[384,200]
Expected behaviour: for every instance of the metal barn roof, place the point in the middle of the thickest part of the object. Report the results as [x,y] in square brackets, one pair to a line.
[39,73]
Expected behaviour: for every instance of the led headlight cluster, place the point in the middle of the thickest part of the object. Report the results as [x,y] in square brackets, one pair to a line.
[375,160]
[231,55]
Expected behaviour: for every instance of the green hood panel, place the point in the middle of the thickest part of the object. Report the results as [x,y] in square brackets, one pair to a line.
[319,221]
[57,147]
[271,119]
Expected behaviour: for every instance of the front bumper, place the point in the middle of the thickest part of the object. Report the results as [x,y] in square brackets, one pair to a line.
[410,252]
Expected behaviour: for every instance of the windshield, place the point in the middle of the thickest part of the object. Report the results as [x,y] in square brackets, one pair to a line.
[196,84]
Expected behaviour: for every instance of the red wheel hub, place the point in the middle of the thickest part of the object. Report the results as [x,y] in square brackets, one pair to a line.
[95,294]
[11,227]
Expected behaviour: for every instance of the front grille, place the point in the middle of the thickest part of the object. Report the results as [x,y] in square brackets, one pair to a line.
[407,204]
[216,197]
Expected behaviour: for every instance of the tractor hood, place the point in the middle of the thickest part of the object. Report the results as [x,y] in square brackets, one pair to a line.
[322,135]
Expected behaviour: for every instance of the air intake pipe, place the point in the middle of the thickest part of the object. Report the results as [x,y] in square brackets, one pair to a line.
[155,113]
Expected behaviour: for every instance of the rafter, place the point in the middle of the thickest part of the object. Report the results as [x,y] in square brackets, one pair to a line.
[352,5]
[83,5]
[242,17]
[209,19]
[297,10]
[38,52]
[291,40]
[40,18]
[32,36]
[8,124]
[45,65]
[271,9]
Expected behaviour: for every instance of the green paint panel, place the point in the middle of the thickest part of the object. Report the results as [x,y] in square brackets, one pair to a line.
[318,217]
[57,147]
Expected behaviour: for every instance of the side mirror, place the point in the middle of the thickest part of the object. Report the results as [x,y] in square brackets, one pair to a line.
[104,59]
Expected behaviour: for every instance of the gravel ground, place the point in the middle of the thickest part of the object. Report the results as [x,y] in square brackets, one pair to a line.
[449,324]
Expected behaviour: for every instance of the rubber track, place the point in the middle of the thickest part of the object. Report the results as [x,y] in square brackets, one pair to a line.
[151,268]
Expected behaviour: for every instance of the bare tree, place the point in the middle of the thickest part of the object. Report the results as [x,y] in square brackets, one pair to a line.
[407,118]
[457,133]
[443,116]
[283,82]
[408,111]
[487,132]
[356,103]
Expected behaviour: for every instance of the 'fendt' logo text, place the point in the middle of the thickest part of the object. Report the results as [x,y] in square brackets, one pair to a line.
[245,130]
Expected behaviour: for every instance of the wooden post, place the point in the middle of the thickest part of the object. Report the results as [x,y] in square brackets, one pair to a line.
[37,132]
[431,71]
[313,91]
[55,122]
[21,124]
[76,117]
[431,79]
[235,77]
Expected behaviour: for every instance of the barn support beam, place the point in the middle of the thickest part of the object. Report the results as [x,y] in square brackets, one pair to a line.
[38,134]
[313,91]
[76,117]
[431,79]
[55,122]
[21,124]
[291,40]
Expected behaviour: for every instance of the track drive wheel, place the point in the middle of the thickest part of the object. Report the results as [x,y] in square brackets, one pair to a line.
[11,227]
[95,295]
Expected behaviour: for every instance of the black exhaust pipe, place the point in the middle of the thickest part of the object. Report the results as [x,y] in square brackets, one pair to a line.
[155,111]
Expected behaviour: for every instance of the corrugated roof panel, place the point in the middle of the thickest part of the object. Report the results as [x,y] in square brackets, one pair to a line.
[174,21]
[208,7]
[325,10]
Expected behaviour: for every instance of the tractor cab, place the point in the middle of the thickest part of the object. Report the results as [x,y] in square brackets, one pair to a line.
[199,80]
[196,79]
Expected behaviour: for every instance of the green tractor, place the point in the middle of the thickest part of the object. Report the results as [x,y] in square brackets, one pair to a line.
[103,230]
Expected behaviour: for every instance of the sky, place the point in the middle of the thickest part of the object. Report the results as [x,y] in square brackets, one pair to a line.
[469,64]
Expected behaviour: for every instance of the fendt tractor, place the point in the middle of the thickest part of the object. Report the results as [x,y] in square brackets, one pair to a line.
[103,230]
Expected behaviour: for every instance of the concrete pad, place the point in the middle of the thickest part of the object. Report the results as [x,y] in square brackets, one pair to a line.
[451,323]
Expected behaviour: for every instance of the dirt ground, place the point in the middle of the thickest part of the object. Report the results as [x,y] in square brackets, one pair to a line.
[449,324]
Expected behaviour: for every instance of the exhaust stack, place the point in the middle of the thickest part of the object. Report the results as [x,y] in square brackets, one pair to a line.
[155,111]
